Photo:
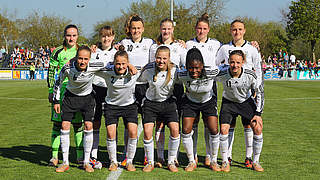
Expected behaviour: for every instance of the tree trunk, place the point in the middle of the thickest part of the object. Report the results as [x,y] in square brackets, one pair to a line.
[313,44]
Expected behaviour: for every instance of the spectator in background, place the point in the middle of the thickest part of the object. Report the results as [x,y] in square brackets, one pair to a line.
[286,57]
[293,59]
[32,70]
[47,51]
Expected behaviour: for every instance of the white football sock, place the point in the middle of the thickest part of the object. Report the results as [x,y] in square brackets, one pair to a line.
[160,140]
[173,147]
[131,149]
[248,136]
[188,145]
[149,150]
[257,147]
[112,150]
[195,139]
[87,144]
[214,140]
[206,139]
[65,143]
[230,142]
[224,147]
[95,145]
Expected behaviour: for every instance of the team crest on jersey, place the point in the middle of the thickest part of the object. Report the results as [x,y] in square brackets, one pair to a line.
[174,50]
[210,48]
[145,48]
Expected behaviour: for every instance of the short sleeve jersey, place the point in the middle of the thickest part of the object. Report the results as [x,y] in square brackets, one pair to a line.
[105,56]
[208,50]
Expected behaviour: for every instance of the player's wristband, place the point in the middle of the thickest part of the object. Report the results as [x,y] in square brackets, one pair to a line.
[257,113]
[56,101]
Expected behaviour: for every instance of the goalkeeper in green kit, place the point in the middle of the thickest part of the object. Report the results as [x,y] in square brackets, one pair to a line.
[60,56]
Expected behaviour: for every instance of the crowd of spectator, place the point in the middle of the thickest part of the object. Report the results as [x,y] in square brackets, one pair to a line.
[283,62]
[23,57]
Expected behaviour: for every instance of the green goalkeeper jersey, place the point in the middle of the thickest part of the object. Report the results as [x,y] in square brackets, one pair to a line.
[59,57]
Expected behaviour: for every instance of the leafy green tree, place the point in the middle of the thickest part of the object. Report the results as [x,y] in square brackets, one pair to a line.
[8,31]
[40,30]
[303,21]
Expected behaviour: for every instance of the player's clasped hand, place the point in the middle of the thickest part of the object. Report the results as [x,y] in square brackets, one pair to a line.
[57,108]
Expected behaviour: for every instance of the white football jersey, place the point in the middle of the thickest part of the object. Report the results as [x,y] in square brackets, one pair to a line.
[79,83]
[253,57]
[239,89]
[177,53]
[157,90]
[138,51]
[105,56]
[121,88]
[198,90]
[208,50]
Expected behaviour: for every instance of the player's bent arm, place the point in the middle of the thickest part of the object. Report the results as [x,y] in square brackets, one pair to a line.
[132,69]
[58,84]
[53,65]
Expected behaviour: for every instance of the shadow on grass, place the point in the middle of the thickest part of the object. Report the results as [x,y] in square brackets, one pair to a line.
[33,153]
[40,154]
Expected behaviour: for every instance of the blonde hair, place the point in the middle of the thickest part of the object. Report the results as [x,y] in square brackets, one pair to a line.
[159,39]
[169,65]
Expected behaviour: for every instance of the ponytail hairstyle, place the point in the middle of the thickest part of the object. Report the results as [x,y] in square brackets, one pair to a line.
[194,54]
[159,39]
[105,31]
[121,52]
[127,27]
[65,33]
[169,65]
[239,53]
[204,18]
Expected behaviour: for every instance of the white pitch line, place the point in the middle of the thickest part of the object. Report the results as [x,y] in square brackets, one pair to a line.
[114,175]
[30,99]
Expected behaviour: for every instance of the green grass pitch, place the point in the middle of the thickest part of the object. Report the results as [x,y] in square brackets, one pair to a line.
[291,148]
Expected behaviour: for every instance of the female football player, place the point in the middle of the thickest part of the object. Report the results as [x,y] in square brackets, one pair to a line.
[105,54]
[237,100]
[199,97]
[208,48]
[77,98]
[120,102]
[137,48]
[253,62]
[177,57]
[160,105]
[60,56]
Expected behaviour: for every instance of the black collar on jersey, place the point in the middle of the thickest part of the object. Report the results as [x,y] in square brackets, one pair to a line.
[199,41]
[108,49]
[245,42]
[139,41]
[232,75]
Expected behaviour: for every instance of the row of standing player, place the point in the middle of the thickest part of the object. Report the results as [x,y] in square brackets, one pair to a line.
[138,49]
